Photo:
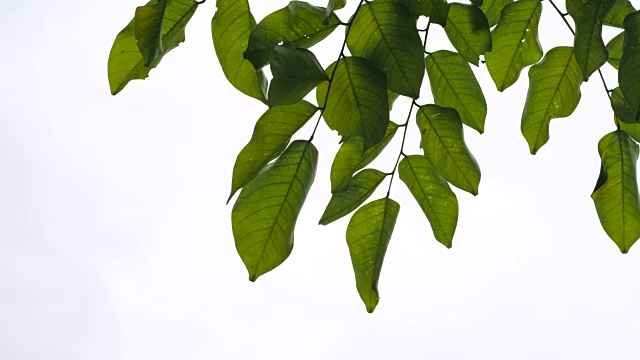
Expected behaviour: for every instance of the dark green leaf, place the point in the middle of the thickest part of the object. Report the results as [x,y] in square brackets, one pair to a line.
[588,45]
[295,73]
[386,35]
[433,194]
[621,108]
[350,157]
[515,42]
[368,236]
[614,47]
[299,24]
[453,84]
[147,27]
[230,29]
[444,147]
[392,98]
[617,13]
[435,10]
[331,7]
[345,201]
[357,103]
[554,92]
[468,30]
[126,63]
[629,68]
[617,200]
[493,8]
[264,217]
[270,136]
[477,2]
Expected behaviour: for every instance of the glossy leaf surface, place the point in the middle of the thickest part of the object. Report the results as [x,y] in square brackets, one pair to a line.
[617,13]
[345,201]
[629,69]
[614,47]
[554,92]
[616,198]
[515,42]
[147,27]
[295,73]
[492,9]
[468,30]
[368,235]
[264,217]
[454,85]
[433,194]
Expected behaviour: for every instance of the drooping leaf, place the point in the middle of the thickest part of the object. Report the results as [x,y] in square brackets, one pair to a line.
[299,24]
[331,7]
[588,45]
[230,29]
[435,197]
[351,158]
[345,201]
[468,30]
[629,68]
[385,34]
[444,147]
[623,111]
[554,92]
[147,28]
[515,42]
[492,9]
[614,47]
[368,235]
[295,73]
[453,84]
[271,135]
[126,63]
[616,199]
[264,217]
[617,13]
[435,10]
[357,103]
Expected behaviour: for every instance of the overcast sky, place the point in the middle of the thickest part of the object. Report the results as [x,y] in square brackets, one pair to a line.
[115,240]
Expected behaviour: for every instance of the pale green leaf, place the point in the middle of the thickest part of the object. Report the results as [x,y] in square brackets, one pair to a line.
[614,47]
[454,85]
[443,144]
[295,73]
[492,9]
[515,42]
[331,7]
[368,235]
[616,198]
[629,68]
[345,201]
[435,197]
[554,92]
[147,27]
[264,217]
[468,30]
[617,13]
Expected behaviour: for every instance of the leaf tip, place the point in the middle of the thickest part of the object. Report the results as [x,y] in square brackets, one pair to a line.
[253,277]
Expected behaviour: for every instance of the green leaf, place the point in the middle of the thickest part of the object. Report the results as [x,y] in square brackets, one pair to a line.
[295,73]
[271,135]
[453,84]
[477,3]
[230,29]
[616,199]
[444,147]
[263,218]
[435,10]
[357,103]
[623,111]
[345,201]
[617,13]
[492,9]
[147,27]
[515,42]
[368,235]
[629,68]
[554,92]
[468,30]
[392,98]
[126,63]
[332,6]
[386,35]
[589,47]
[435,197]
[351,158]
[299,24]
[614,47]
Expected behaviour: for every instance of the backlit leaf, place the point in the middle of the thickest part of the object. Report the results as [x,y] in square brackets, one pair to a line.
[554,92]
[444,147]
[468,30]
[515,42]
[616,199]
[147,27]
[295,73]
[617,13]
[454,85]
[368,235]
[492,9]
[264,217]
[435,197]
[621,108]
[332,6]
[629,68]
[435,10]
[614,47]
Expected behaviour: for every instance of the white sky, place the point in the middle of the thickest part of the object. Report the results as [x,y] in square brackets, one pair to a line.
[115,241]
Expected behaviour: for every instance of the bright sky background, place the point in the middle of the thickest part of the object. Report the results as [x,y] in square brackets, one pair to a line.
[115,240]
